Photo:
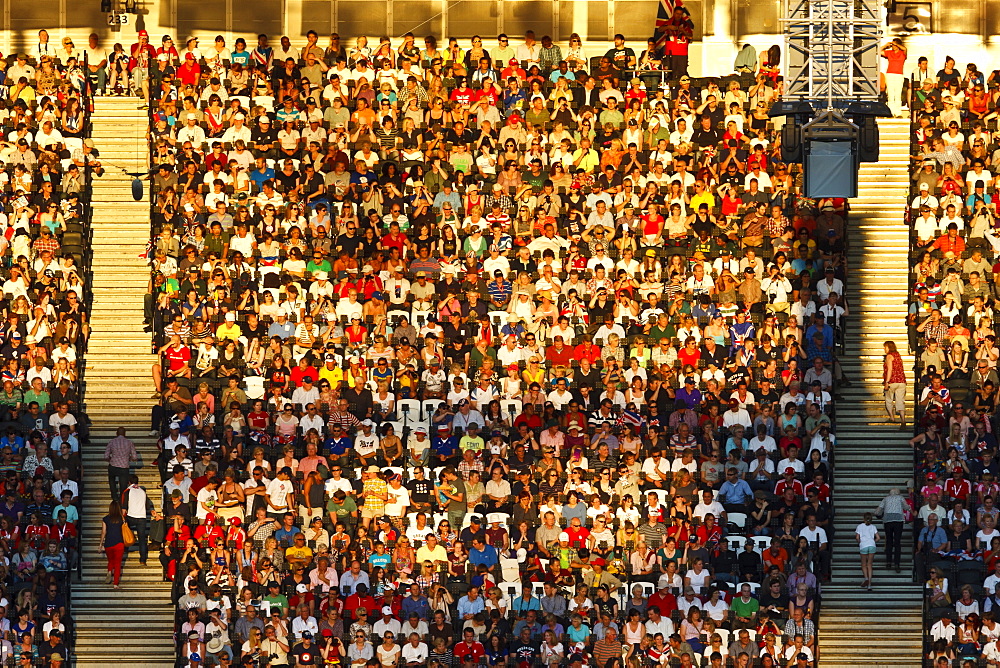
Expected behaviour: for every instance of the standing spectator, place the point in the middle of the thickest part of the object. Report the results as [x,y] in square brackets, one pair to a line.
[891,510]
[894,384]
[118,453]
[112,543]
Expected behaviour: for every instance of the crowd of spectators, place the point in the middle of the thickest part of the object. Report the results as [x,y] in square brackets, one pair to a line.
[954,280]
[46,162]
[504,356]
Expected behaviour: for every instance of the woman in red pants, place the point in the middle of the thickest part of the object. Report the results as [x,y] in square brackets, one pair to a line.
[112,543]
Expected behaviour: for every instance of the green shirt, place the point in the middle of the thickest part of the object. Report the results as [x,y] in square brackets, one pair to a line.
[12,399]
[41,397]
[342,509]
[322,265]
[745,610]
[280,601]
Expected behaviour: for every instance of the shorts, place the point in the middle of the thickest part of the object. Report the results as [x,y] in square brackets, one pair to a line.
[871,549]
[370,512]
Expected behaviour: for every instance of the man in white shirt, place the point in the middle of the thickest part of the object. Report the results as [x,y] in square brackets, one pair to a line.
[816,535]
[655,469]
[238,130]
[280,494]
[604,331]
[736,415]
[415,651]
[708,505]
[657,623]
[192,132]
[386,623]
[560,396]
[398,501]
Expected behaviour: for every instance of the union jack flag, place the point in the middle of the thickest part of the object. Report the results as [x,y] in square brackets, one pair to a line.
[664,14]
[631,419]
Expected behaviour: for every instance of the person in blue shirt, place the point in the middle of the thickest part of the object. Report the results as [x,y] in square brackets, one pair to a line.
[735,494]
[416,603]
[337,444]
[262,173]
[740,331]
[444,445]
[288,529]
[526,601]
[281,327]
[13,440]
[470,605]
[483,554]
[380,557]
[240,55]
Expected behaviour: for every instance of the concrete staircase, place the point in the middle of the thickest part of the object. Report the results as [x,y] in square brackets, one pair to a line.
[118,390]
[872,455]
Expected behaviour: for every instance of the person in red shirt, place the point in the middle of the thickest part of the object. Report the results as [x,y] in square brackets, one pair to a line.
[211,532]
[821,487]
[359,601]
[189,73]
[167,47]
[529,419]
[577,534]
[394,239]
[36,532]
[463,94]
[957,487]
[895,53]
[709,532]
[790,482]
[690,353]
[513,69]
[950,242]
[559,353]
[469,647]
[177,357]
[663,600]
[587,350]
[235,533]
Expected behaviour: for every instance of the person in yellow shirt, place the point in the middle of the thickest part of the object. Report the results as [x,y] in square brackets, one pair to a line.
[702,195]
[331,373]
[299,553]
[229,329]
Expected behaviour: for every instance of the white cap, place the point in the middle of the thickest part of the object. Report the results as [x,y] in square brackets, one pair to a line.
[564,536]
[386,610]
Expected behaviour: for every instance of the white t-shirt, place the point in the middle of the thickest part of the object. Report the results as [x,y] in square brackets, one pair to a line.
[398,507]
[366,445]
[817,535]
[277,492]
[867,532]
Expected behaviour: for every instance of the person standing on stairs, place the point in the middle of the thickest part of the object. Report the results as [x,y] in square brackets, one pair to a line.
[891,511]
[112,542]
[138,511]
[868,537]
[894,383]
[119,452]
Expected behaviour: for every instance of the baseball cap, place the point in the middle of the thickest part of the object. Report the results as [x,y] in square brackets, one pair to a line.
[386,610]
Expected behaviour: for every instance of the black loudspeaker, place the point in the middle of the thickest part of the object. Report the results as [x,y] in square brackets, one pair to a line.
[791,141]
[867,138]
[136,189]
